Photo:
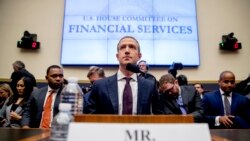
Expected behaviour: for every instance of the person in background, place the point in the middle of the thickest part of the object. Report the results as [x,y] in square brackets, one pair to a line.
[182,79]
[36,114]
[177,99]
[19,72]
[224,108]
[200,89]
[5,92]
[144,68]
[243,87]
[124,92]
[95,73]
[12,110]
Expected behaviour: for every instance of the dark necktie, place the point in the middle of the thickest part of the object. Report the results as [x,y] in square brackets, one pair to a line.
[227,104]
[127,104]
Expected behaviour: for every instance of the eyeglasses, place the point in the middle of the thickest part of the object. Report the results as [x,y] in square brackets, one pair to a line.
[170,88]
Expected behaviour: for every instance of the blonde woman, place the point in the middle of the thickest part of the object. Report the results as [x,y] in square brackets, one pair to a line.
[5,92]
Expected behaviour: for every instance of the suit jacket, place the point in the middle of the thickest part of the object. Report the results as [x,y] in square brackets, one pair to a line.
[5,113]
[213,106]
[191,100]
[33,111]
[103,98]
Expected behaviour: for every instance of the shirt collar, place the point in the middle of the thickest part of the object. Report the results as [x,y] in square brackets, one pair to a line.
[121,76]
[49,89]
[222,92]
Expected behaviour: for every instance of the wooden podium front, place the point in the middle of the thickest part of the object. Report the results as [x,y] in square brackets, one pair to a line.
[134,118]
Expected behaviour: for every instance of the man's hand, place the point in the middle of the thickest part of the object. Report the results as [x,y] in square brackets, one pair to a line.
[226,120]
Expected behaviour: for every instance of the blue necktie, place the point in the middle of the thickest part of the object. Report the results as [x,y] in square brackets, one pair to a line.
[181,105]
[127,104]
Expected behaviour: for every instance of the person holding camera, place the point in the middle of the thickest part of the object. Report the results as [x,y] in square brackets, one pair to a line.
[95,73]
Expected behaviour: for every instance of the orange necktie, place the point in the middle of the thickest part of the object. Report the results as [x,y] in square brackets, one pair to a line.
[46,118]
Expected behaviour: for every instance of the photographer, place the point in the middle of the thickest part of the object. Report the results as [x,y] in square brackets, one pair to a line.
[95,73]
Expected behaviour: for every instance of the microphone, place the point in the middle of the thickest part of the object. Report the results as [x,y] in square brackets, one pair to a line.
[133,68]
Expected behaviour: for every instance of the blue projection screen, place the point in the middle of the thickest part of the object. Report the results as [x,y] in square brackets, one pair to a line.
[165,29]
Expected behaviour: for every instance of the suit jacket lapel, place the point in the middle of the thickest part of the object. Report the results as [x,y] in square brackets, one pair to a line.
[184,96]
[233,103]
[140,94]
[41,99]
[113,92]
[219,102]
[57,101]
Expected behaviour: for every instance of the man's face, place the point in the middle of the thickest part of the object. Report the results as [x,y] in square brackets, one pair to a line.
[171,89]
[15,68]
[128,51]
[198,88]
[55,78]
[143,66]
[227,82]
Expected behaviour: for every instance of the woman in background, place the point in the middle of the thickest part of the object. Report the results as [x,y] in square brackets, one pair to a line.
[5,92]
[11,112]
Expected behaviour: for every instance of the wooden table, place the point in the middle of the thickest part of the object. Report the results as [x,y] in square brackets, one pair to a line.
[9,134]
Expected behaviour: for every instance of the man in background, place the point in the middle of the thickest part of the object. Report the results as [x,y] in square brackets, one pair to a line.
[224,108]
[199,88]
[144,68]
[181,100]
[19,72]
[95,73]
[35,114]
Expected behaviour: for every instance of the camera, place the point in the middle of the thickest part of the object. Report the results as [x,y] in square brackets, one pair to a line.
[86,89]
[174,67]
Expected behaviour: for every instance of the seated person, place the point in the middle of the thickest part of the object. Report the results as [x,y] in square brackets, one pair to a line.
[12,110]
[177,99]
[5,92]
[224,108]
[200,89]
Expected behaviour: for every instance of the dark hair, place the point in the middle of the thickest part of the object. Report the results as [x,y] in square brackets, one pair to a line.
[144,61]
[27,91]
[52,67]
[224,72]
[182,79]
[199,84]
[166,78]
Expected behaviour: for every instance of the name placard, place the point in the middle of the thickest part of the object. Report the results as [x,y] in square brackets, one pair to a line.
[138,132]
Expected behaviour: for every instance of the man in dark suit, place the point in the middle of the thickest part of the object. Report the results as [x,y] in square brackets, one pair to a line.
[237,115]
[144,67]
[107,95]
[34,111]
[178,99]
[95,73]
[19,72]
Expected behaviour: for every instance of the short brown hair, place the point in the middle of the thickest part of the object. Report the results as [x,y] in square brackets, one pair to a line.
[169,78]
[95,69]
[131,37]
